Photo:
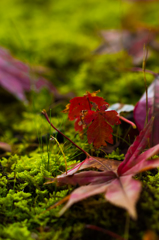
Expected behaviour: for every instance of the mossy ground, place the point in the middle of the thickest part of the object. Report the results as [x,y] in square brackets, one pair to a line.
[62,35]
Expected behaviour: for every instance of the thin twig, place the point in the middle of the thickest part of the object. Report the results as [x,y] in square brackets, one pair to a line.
[110,233]
[47,118]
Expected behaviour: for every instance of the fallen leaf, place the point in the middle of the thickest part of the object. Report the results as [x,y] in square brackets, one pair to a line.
[98,163]
[100,126]
[118,187]
[17,77]
[5,147]
[153,110]
[98,123]
[79,104]
[132,42]
[120,108]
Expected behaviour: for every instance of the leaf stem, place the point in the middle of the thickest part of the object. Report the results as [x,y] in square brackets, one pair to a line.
[47,118]
[128,121]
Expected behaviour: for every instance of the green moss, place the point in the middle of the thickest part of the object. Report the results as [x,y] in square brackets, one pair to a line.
[55,32]
[17,231]
[62,35]
[106,73]
[116,155]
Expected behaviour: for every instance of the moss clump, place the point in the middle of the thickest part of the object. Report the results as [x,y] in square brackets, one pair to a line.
[116,155]
[16,231]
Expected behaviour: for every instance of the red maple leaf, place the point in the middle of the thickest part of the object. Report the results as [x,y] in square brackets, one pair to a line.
[78,104]
[98,123]
[100,129]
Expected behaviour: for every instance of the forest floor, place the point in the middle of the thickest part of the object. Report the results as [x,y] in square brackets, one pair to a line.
[59,41]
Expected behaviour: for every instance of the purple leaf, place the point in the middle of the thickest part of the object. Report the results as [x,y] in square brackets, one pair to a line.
[153,105]
[118,186]
[93,162]
[84,192]
[5,146]
[82,178]
[42,82]
[100,164]
[16,77]
[141,164]
[124,192]
[135,149]
[132,42]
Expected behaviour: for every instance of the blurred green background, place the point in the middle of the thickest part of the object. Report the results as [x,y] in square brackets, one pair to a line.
[62,36]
